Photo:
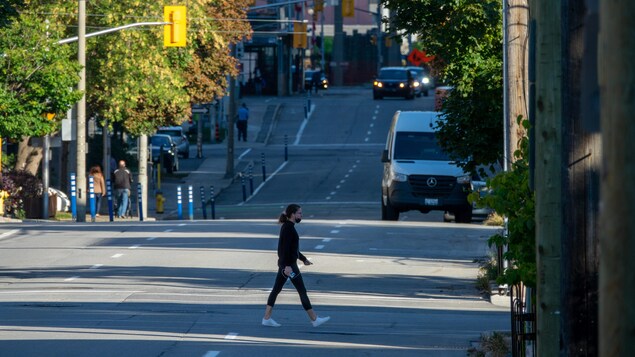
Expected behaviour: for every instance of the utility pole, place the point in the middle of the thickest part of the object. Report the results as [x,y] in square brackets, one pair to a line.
[516,20]
[547,16]
[81,116]
[338,45]
[143,173]
[616,48]
[229,169]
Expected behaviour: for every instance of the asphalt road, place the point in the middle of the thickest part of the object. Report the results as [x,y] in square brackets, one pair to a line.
[198,288]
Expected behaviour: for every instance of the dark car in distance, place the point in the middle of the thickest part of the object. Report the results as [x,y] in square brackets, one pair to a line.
[394,82]
[423,81]
[163,144]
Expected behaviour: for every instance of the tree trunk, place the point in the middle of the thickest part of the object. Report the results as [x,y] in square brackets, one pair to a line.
[29,157]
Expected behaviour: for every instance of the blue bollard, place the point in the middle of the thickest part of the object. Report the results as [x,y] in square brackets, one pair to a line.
[74,197]
[91,197]
[190,205]
[179,203]
[111,213]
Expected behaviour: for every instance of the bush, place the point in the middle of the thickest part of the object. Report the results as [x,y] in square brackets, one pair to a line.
[21,186]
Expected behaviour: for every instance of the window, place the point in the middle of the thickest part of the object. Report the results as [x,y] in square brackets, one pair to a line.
[418,146]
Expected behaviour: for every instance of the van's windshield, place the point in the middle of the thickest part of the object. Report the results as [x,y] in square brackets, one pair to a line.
[418,146]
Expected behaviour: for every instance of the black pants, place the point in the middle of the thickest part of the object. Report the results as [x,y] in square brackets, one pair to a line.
[241,125]
[296,281]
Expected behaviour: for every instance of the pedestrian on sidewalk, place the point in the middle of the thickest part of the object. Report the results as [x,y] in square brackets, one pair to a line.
[288,255]
[241,123]
[99,186]
[123,181]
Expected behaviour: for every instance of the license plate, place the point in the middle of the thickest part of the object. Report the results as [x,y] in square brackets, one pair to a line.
[431,201]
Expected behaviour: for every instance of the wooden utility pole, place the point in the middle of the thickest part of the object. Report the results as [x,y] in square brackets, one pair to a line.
[516,83]
[546,14]
[616,51]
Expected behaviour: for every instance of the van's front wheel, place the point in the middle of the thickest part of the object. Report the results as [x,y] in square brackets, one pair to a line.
[388,212]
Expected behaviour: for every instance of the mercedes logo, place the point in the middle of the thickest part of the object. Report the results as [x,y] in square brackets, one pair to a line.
[432,182]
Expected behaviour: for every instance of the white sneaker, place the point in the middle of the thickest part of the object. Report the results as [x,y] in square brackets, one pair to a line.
[320,320]
[270,322]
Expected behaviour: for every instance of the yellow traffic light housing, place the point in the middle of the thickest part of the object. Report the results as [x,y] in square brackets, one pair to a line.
[348,8]
[299,35]
[175,33]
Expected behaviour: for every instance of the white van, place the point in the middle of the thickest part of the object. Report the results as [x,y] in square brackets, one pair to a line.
[418,175]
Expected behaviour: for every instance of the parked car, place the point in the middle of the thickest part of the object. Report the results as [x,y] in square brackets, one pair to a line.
[423,81]
[162,143]
[418,174]
[394,82]
[308,79]
[178,137]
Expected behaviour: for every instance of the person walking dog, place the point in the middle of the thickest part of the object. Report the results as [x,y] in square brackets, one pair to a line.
[288,255]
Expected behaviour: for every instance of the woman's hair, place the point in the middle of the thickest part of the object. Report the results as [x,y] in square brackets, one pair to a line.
[291,209]
[95,170]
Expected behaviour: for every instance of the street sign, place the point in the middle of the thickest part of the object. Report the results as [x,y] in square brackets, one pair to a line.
[199,110]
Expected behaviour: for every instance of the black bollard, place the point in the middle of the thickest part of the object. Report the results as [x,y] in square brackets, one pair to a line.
[286,147]
[203,203]
[242,182]
[212,201]
[251,180]
[264,171]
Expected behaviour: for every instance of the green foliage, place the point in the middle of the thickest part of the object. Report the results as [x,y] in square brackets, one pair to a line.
[512,198]
[466,38]
[38,77]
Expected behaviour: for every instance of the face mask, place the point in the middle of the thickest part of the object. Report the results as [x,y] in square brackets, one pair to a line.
[297,220]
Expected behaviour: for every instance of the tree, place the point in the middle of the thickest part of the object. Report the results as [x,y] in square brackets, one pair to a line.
[466,39]
[38,78]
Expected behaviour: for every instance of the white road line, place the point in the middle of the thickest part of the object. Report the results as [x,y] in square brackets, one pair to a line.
[326,240]
[71,278]
[338,187]
[231,336]
[328,198]
[335,231]
[367,139]
[333,193]
[244,153]
[182,224]
[263,183]
[11,232]
[342,181]
[298,136]
[134,246]
[211,354]
[167,231]
[369,132]
[118,255]
[350,170]
[97,266]
[152,238]
[320,246]
[347,175]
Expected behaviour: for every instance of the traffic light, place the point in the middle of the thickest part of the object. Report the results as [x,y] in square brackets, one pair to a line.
[174,33]
[299,35]
[348,8]
[318,5]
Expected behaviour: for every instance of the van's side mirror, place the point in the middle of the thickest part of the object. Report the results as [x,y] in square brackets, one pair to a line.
[384,156]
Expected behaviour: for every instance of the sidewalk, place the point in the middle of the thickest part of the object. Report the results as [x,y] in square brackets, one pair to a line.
[212,168]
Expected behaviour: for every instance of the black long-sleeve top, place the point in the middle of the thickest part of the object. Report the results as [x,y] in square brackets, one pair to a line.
[289,245]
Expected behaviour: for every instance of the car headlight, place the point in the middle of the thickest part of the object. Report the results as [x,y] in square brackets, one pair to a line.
[426,80]
[463,179]
[401,85]
[416,83]
[397,176]
[379,84]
